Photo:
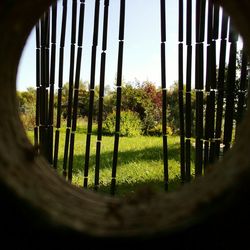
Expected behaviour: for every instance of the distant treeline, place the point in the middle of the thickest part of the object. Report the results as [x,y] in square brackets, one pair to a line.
[144,100]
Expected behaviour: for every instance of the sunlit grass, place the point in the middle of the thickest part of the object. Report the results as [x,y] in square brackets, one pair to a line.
[140,161]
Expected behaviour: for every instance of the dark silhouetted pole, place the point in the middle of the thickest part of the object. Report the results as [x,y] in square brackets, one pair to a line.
[220,84]
[199,78]
[76,89]
[230,90]
[164,93]
[211,83]
[119,94]
[60,83]
[101,92]
[188,89]
[180,93]
[71,85]
[45,44]
[38,83]
[91,91]
[52,83]
[242,93]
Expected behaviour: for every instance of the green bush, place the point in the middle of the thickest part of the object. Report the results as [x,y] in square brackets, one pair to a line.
[157,130]
[130,124]
[148,122]
[28,120]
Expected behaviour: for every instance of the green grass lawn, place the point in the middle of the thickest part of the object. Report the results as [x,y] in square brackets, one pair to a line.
[139,162]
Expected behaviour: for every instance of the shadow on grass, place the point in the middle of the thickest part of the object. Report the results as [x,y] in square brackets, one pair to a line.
[141,187]
[125,157]
[150,154]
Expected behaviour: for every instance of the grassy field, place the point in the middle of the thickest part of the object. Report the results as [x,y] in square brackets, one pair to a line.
[139,162]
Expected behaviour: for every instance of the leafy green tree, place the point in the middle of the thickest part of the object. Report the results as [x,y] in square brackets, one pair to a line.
[27,107]
[83,100]
[26,100]
[143,98]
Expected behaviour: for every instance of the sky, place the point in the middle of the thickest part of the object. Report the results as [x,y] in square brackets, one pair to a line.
[141,59]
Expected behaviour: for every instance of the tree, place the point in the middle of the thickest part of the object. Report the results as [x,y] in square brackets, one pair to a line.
[27,107]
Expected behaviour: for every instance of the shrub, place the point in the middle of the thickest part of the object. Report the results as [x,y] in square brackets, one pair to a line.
[149,121]
[157,130]
[28,120]
[130,124]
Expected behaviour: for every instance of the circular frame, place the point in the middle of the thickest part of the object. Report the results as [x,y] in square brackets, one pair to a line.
[35,199]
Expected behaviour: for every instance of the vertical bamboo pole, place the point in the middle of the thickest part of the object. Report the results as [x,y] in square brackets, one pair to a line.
[42,89]
[60,82]
[101,92]
[230,90]
[213,22]
[38,83]
[91,91]
[220,84]
[180,93]
[43,129]
[211,131]
[188,89]
[52,82]
[200,23]
[71,85]
[47,75]
[76,89]
[216,14]
[119,94]
[242,90]
[208,83]
[164,93]
[210,108]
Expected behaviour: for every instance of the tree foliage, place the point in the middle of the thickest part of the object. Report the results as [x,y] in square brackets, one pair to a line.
[143,99]
[27,107]
[130,124]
